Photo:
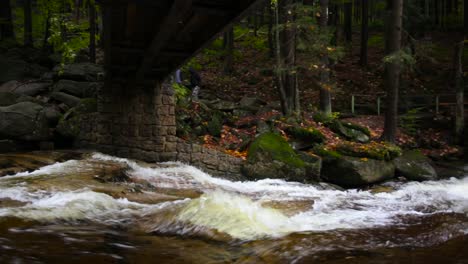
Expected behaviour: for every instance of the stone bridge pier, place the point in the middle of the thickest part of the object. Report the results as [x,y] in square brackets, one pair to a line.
[138,123]
[144,41]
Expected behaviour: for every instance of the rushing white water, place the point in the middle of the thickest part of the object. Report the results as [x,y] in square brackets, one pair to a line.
[239,209]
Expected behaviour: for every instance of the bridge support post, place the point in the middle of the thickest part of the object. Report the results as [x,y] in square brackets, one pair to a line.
[137,122]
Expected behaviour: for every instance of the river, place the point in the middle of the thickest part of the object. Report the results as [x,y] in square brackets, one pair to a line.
[102,209]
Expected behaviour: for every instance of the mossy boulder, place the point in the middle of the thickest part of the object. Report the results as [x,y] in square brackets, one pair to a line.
[350,131]
[351,172]
[414,166]
[374,150]
[24,121]
[69,124]
[270,156]
[304,138]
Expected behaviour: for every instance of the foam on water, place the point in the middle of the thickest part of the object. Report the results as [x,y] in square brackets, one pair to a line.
[235,208]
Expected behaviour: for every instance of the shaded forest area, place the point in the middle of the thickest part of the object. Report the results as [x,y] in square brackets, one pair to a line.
[391,70]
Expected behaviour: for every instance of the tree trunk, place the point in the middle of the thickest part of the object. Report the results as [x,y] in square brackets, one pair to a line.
[92,32]
[348,23]
[6,24]
[28,40]
[465,17]
[229,51]
[364,32]
[460,108]
[271,42]
[45,42]
[325,93]
[288,44]
[392,68]
[286,58]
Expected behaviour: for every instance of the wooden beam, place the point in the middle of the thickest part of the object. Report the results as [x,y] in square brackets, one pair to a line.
[175,16]
[141,52]
[211,10]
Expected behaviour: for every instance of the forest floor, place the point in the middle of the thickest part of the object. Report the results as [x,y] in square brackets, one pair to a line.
[252,77]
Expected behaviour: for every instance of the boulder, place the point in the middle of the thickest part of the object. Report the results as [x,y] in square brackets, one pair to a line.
[222,105]
[270,156]
[67,99]
[17,69]
[304,138]
[350,172]
[69,124]
[24,121]
[79,72]
[251,103]
[32,88]
[8,145]
[9,86]
[78,89]
[52,115]
[9,98]
[350,131]
[414,166]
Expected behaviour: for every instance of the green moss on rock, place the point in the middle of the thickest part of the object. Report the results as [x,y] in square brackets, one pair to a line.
[373,150]
[276,147]
[70,123]
[306,134]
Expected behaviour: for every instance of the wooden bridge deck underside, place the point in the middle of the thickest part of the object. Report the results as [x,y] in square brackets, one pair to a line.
[149,39]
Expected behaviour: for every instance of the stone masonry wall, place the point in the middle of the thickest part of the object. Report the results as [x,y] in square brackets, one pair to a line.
[140,123]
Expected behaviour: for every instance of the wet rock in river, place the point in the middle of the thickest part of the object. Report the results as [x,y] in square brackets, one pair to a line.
[270,156]
[24,121]
[350,172]
[414,166]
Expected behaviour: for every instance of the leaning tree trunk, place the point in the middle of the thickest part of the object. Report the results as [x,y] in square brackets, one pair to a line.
[6,24]
[229,51]
[92,31]
[364,32]
[392,67]
[325,93]
[28,39]
[460,107]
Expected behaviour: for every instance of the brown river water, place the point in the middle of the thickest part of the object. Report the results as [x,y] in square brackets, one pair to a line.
[93,208]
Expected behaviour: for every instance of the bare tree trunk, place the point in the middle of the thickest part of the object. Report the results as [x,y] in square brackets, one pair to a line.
[392,68]
[6,24]
[465,17]
[279,63]
[45,41]
[92,32]
[348,23]
[229,51]
[288,50]
[271,42]
[364,32]
[28,39]
[460,108]
[325,93]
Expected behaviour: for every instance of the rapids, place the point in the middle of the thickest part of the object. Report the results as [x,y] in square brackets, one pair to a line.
[174,213]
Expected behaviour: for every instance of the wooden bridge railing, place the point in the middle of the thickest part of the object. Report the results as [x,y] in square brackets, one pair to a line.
[435,101]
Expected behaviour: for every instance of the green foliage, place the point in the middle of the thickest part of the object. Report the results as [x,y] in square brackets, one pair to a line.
[215,125]
[402,57]
[323,118]
[376,41]
[324,152]
[306,134]
[181,91]
[277,147]
[408,122]
[373,150]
